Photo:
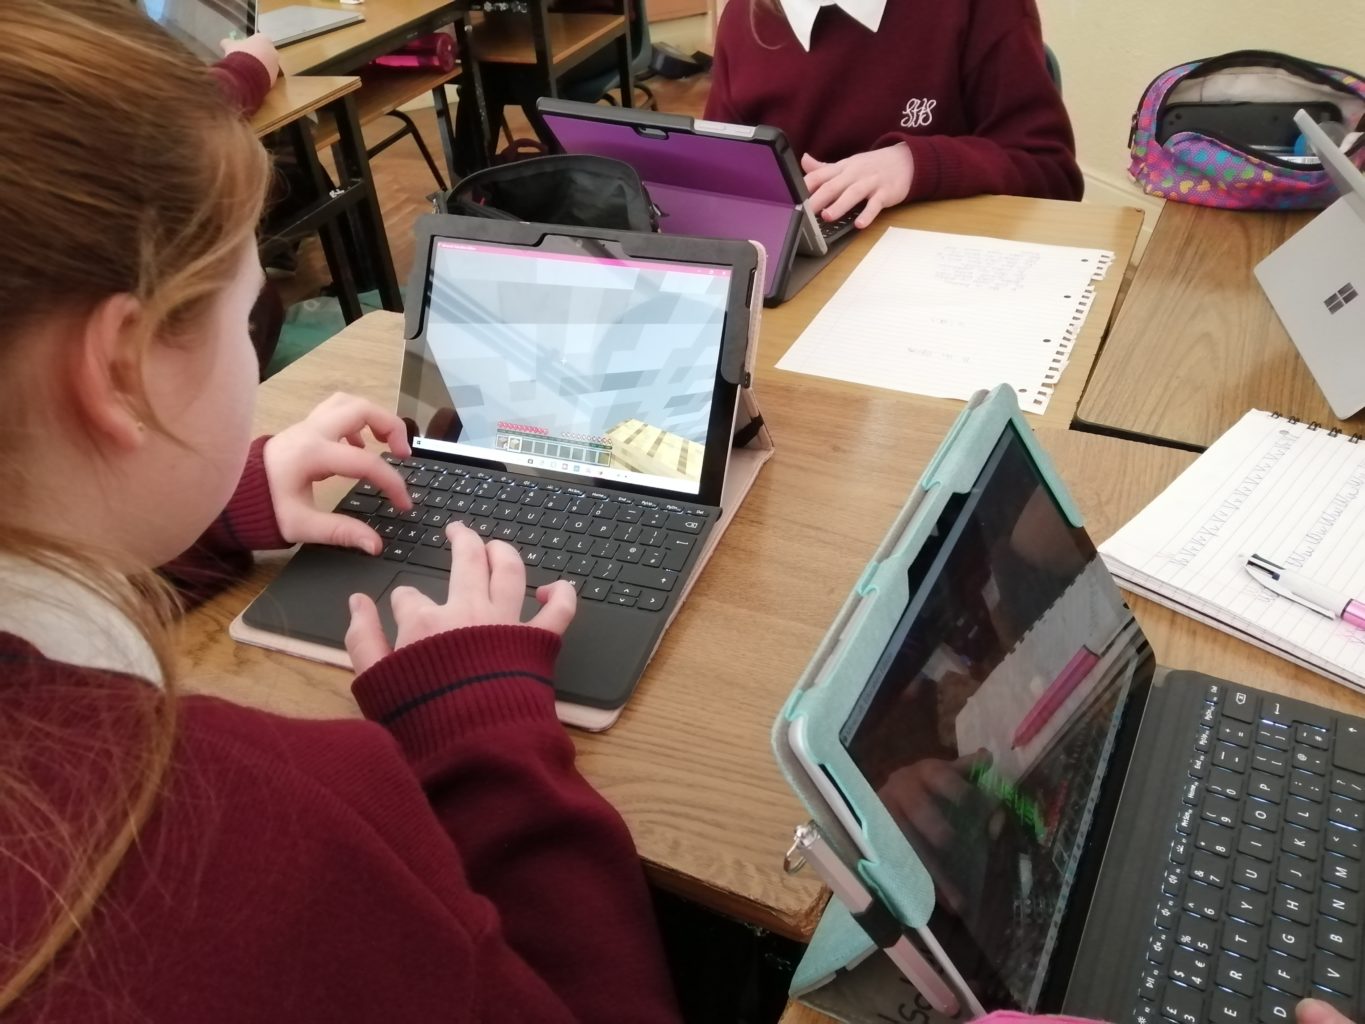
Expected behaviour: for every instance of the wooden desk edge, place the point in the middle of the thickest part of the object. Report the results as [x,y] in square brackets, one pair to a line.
[296,96]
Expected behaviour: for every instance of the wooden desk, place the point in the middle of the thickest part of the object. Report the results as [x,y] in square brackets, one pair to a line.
[1197,343]
[1091,225]
[688,764]
[295,97]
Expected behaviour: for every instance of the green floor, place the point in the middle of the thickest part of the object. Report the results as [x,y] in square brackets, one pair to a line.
[308,324]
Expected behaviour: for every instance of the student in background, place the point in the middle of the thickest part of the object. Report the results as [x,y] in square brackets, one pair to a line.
[168,857]
[889,101]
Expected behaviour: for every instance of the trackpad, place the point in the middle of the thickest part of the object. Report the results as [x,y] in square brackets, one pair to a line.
[435,588]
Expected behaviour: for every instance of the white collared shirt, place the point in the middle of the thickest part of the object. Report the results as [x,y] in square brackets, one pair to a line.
[70,623]
[801,15]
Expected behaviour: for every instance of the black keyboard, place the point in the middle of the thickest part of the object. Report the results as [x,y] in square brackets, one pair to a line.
[833,230]
[1260,900]
[621,549]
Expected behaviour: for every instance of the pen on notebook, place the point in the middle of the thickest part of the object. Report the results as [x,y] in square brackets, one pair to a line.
[1054,696]
[1301,590]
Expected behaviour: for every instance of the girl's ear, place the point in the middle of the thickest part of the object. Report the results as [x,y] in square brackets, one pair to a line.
[103,373]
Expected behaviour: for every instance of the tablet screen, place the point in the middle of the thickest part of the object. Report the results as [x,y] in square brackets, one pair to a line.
[202,25]
[572,362]
[987,725]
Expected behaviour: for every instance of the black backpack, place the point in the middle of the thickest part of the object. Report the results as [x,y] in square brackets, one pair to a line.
[575,190]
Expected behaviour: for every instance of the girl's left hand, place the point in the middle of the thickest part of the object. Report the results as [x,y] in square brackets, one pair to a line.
[880,178]
[330,442]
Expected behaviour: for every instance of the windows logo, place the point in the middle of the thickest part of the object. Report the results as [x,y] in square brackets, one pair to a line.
[1336,302]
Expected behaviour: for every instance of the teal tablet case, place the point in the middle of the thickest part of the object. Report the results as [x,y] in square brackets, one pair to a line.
[843,663]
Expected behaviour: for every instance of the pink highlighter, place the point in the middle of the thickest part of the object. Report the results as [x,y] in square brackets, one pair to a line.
[1304,591]
[1054,696]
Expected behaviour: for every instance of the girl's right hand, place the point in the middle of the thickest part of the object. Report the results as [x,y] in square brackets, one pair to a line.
[487,582]
[260,47]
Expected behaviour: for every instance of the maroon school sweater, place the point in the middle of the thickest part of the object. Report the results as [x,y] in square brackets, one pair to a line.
[243,81]
[442,861]
[963,83]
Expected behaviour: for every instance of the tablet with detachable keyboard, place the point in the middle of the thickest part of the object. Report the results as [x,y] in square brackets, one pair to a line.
[987,739]
[712,180]
[573,392]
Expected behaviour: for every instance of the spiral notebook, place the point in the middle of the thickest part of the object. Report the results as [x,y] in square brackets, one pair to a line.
[1289,491]
[948,315]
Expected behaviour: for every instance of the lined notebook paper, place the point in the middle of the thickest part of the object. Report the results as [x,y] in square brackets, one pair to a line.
[948,315]
[1291,492]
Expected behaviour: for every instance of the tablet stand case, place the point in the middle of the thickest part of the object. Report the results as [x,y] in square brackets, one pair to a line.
[753,446]
[839,975]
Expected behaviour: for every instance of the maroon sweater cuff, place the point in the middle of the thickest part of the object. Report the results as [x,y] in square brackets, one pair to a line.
[249,520]
[460,682]
[243,81]
[932,166]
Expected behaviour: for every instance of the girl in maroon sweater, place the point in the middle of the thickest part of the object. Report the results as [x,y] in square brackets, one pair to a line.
[178,858]
[896,100]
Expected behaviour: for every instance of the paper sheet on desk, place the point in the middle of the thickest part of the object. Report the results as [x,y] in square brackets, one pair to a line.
[946,315]
[1291,492]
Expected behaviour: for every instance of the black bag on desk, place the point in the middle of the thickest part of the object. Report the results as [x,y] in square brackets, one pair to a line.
[576,190]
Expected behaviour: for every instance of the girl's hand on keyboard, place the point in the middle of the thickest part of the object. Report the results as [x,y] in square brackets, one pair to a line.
[880,178]
[487,583]
[330,442]
[1315,1011]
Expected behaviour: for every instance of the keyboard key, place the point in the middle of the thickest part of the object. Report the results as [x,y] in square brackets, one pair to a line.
[1158,947]
[1288,712]
[1180,850]
[1342,872]
[1343,841]
[530,535]
[1312,736]
[652,600]
[686,523]
[579,566]
[1336,937]
[654,518]
[484,527]
[1196,933]
[1278,736]
[431,557]
[1261,814]
[361,503]
[1204,900]
[1235,732]
[397,552]
[1256,843]
[1182,1004]
[538,576]
[411,534]
[1144,1013]
[1292,904]
[1298,873]
[1252,874]
[1211,837]
[435,539]
[1248,906]
[1225,755]
[1309,759]
[623,600]
[1237,974]
[602,529]
[1299,842]
[1348,784]
[1334,973]
[595,590]
[1286,974]
[532,556]
[1242,938]
[556,540]
[387,530]
[1209,869]
[528,516]
[1167,908]
[1219,810]
[1268,759]
[1203,740]
[1289,938]
[580,545]
[657,579]
[505,531]
[1346,812]
[1191,968]
[1172,882]
[412,515]
[1186,819]
[1229,784]
[1227,1008]
[435,519]
[1239,704]
[574,581]
[1305,785]
[1266,786]
[1303,812]
[626,532]
[1340,904]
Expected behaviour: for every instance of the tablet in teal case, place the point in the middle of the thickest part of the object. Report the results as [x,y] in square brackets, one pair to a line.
[837,675]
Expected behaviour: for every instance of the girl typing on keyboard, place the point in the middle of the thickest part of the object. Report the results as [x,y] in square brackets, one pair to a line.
[169,857]
[895,100]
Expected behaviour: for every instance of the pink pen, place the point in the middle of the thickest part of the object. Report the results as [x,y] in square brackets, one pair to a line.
[1054,696]
[1304,591]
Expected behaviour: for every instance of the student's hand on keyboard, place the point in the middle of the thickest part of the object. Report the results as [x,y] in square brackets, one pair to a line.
[330,442]
[487,583]
[880,178]
[1315,1011]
